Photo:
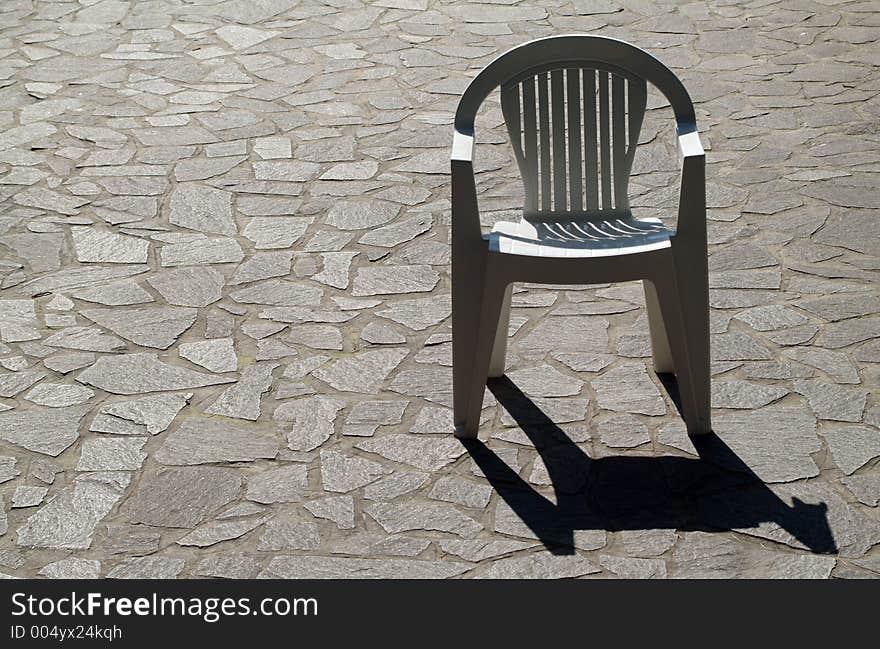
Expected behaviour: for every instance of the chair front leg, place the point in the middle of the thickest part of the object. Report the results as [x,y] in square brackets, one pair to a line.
[476,308]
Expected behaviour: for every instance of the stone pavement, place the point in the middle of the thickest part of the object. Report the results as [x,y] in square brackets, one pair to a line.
[225,300]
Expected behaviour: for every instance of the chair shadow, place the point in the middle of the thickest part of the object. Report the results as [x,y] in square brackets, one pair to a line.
[716,492]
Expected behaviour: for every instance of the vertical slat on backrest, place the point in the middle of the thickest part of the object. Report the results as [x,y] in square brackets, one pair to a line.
[530,133]
[575,165]
[637,96]
[604,140]
[591,161]
[511,107]
[557,97]
[544,139]
[618,140]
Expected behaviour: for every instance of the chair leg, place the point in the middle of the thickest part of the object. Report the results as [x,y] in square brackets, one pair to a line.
[473,340]
[499,350]
[674,317]
[659,341]
[692,278]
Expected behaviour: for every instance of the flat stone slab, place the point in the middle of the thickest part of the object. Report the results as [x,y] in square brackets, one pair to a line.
[138,373]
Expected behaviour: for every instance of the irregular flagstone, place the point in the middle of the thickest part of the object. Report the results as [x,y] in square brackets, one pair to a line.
[202,208]
[189,286]
[395,518]
[279,293]
[263,265]
[545,381]
[364,372]
[481,549]
[343,473]
[379,333]
[289,534]
[849,332]
[361,215]
[152,414]
[215,355]
[203,441]
[159,567]
[71,278]
[276,231]
[426,453]
[623,431]
[461,492]
[229,566]
[18,321]
[853,446]
[69,520]
[43,430]
[864,487]
[122,293]
[315,336]
[348,568]
[835,364]
[137,373]
[829,401]
[774,442]
[431,383]
[28,496]
[312,420]
[335,271]
[182,497]
[377,412]
[541,565]
[568,333]
[744,394]
[202,251]
[72,568]
[278,485]
[157,327]
[242,400]
[120,454]
[771,317]
[14,382]
[420,313]
[219,531]
[100,246]
[386,280]
[627,388]
[339,509]
[398,232]
[396,484]
[7,468]
[90,339]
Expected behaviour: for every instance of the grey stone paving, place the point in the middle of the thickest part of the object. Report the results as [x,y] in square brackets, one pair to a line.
[224,319]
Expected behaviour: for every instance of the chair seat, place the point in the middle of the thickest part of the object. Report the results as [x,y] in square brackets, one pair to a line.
[579,238]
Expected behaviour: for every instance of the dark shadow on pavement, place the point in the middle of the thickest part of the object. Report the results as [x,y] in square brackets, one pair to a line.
[638,492]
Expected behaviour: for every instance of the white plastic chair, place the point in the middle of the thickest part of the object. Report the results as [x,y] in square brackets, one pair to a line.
[573,106]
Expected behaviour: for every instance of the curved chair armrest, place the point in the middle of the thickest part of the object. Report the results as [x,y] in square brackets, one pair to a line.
[465,211]
[692,197]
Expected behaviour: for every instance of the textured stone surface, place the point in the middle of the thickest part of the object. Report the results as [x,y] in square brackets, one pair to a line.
[225,326]
[182,497]
[203,441]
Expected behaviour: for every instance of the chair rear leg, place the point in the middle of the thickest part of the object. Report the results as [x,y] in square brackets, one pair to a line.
[473,340]
[660,350]
[499,349]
